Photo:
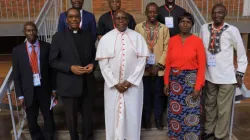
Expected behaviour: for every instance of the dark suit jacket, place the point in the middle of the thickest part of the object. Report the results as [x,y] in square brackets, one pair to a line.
[23,76]
[63,55]
[88,23]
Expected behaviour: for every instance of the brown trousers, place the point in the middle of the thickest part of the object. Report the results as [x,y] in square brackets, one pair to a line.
[218,106]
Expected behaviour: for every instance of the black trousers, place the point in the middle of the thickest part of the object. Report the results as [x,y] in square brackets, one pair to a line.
[71,107]
[41,101]
[153,89]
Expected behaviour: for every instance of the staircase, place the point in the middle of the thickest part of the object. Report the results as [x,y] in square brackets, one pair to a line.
[20,10]
[62,132]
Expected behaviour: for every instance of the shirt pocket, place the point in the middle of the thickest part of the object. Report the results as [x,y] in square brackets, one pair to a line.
[226,41]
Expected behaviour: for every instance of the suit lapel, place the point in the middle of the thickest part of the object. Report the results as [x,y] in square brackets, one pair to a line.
[26,60]
[70,41]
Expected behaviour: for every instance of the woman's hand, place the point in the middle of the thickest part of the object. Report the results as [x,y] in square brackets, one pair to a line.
[166,90]
[196,94]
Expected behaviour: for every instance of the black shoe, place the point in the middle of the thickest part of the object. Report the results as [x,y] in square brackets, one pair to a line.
[159,124]
[217,139]
[207,136]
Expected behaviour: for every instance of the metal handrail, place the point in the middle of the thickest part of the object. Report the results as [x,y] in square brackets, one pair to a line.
[46,22]
[236,10]
[20,10]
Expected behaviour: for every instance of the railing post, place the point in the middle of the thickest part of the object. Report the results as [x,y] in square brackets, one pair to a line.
[34,9]
[232,117]
[12,113]
[12,11]
[17,10]
[1,10]
[28,4]
[238,15]
[23,8]
[45,30]
[6,9]
[207,10]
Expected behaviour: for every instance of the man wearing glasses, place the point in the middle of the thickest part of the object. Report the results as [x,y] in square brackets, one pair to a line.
[122,57]
[106,21]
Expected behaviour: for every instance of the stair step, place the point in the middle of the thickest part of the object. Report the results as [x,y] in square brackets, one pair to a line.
[152,134]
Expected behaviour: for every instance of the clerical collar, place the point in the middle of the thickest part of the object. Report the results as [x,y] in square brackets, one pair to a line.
[113,12]
[170,6]
[75,31]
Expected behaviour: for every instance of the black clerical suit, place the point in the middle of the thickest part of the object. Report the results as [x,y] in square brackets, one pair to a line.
[175,12]
[69,49]
[106,23]
[35,97]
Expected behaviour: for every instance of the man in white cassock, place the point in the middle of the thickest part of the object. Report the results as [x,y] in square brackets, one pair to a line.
[122,55]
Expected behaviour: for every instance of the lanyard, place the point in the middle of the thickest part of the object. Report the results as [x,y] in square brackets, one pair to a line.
[32,63]
[214,31]
[154,37]
[112,19]
[168,9]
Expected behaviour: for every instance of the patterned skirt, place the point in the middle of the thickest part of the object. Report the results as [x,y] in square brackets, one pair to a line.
[184,113]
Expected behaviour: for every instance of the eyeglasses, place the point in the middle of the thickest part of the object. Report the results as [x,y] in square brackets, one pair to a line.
[121,18]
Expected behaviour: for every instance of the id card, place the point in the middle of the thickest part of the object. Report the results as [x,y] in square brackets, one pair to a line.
[36,79]
[169,22]
[151,59]
[211,60]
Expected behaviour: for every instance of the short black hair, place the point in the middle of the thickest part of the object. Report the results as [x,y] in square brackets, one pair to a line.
[118,11]
[219,5]
[29,23]
[72,9]
[186,15]
[153,4]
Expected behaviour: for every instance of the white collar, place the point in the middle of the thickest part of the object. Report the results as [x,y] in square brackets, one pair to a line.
[126,30]
[81,12]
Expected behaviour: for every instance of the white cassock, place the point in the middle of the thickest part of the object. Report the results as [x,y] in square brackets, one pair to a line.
[122,56]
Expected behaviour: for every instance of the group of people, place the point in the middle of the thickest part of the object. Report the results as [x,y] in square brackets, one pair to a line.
[147,66]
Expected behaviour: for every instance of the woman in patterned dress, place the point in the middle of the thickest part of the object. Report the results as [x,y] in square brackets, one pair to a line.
[183,79]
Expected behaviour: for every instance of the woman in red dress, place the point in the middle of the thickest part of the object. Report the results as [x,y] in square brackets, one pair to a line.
[184,78]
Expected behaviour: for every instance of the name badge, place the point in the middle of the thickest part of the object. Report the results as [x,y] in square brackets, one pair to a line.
[36,79]
[211,60]
[169,22]
[151,59]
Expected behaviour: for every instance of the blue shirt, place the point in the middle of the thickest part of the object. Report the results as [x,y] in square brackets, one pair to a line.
[88,23]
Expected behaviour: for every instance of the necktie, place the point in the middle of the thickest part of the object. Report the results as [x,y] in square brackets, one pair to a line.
[33,59]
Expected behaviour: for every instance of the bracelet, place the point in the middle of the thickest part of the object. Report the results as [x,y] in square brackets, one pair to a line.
[160,66]
[239,74]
